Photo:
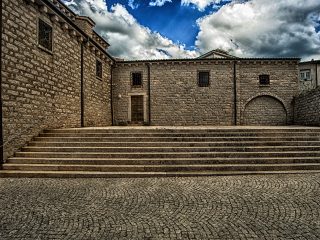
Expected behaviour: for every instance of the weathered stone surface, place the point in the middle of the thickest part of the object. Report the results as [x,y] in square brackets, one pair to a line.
[283,85]
[265,110]
[307,108]
[238,207]
[42,89]
[176,98]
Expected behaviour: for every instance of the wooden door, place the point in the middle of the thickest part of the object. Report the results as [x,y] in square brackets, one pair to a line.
[137,109]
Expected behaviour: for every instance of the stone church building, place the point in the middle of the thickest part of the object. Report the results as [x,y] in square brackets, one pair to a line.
[56,72]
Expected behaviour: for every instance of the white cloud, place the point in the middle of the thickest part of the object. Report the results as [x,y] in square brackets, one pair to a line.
[258,28]
[132,4]
[158,3]
[202,4]
[128,39]
[101,4]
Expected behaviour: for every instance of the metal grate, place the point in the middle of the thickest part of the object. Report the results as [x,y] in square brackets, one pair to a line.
[137,109]
[203,79]
[264,79]
[136,79]
[45,35]
[98,69]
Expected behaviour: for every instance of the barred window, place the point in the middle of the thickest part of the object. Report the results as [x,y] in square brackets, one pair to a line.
[264,79]
[45,35]
[203,79]
[98,69]
[136,79]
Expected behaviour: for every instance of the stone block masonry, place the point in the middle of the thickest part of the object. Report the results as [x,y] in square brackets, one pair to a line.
[176,99]
[270,104]
[69,85]
[42,89]
[307,108]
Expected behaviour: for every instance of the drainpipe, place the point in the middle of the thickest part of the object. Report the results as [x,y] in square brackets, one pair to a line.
[82,88]
[1,122]
[235,92]
[111,94]
[149,93]
[317,80]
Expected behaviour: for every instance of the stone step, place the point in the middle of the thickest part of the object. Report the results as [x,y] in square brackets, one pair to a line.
[91,174]
[183,134]
[162,168]
[174,144]
[163,151]
[172,139]
[155,161]
[183,130]
[169,155]
[170,149]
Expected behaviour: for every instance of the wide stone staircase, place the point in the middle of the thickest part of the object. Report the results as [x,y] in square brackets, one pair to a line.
[167,151]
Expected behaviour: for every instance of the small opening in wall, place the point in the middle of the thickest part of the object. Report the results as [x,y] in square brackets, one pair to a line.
[136,79]
[98,69]
[203,79]
[45,35]
[264,79]
[305,75]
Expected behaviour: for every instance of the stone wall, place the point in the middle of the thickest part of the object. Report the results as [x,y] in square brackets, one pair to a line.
[97,98]
[41,89]
[176,98]
[122,90]
[283,87]
[307,108]
[265,110]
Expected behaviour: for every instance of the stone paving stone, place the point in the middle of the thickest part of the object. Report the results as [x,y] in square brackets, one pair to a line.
[233,207]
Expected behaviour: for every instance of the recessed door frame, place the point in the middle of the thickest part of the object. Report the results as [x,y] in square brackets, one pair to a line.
[144,105]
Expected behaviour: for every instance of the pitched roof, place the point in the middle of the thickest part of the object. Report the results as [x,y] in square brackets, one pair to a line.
[311,62]
[208,59]
[217,52]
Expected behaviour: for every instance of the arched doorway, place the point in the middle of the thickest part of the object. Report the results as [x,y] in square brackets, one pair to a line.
[265,110]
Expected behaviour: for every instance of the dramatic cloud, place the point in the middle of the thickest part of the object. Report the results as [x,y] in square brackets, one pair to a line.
[202,4]
[127,37]
[259,28]
[158,3]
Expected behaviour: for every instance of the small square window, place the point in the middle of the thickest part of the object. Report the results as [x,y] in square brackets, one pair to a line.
[98,69]
[203,79]
[305,75]
[45,35]
[308,75]
[136,79]
[264,79]
[302,76]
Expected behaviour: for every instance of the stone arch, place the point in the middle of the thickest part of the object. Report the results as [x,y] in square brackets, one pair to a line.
[265,110]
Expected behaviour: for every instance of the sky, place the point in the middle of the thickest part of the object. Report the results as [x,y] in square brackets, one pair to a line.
[161,29]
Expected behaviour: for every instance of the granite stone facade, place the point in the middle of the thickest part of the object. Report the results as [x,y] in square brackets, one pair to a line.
[62,87]
[307,108]
[42,89]
[234,89]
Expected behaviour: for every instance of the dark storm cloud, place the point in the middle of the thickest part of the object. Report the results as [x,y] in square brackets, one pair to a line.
[260,28]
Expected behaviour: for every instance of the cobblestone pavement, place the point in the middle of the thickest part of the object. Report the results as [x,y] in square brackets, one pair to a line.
[237,207]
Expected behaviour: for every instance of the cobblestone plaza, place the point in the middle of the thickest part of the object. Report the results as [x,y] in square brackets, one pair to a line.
[234,207]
